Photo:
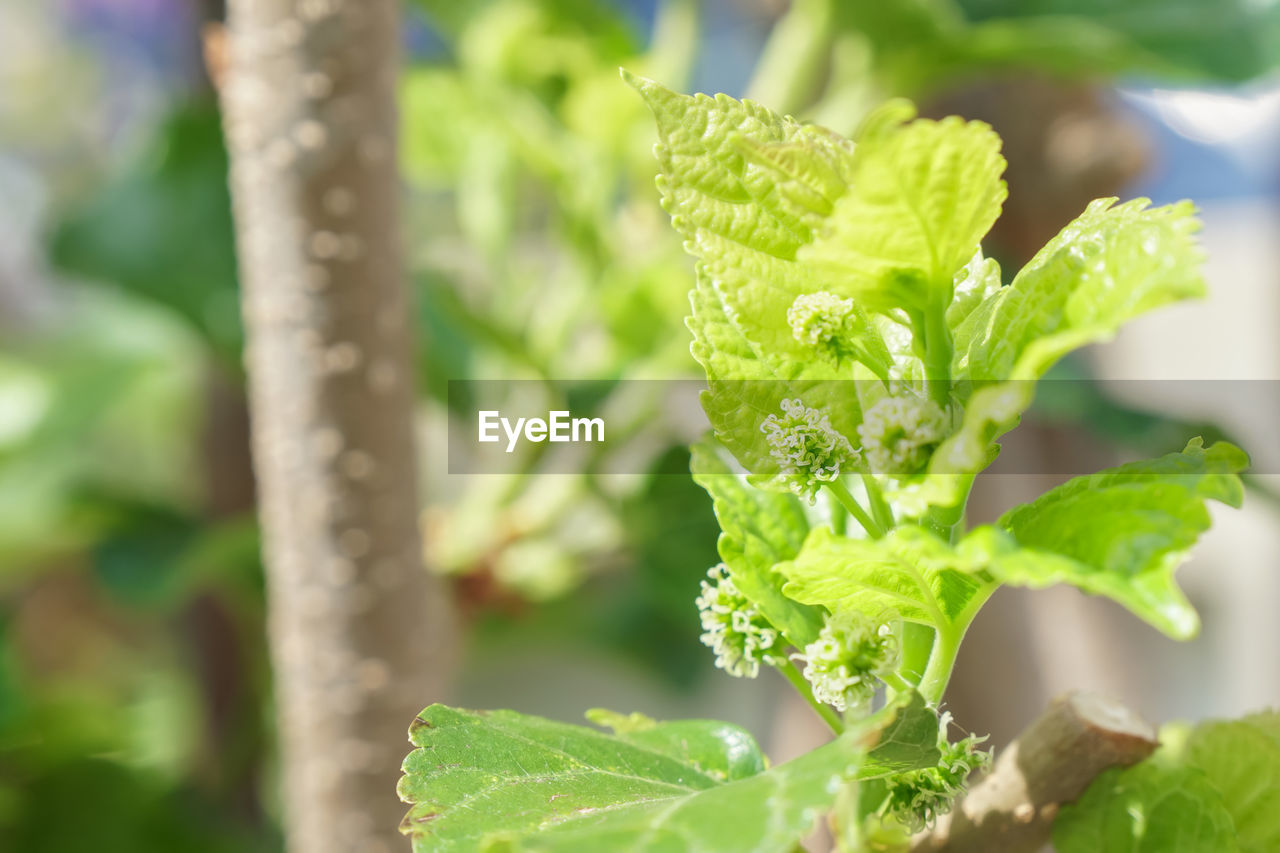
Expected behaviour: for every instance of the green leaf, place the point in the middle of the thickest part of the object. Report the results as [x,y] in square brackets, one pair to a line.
[1119,533]
[504,781]
[1108,266]
[710,188]
[976,282]
[909,571]
[162,230]
[1242,760]
[760,530]
[924,45]
[746,188]
[922,196]
[722,750]
[1158,806]
[1213,39]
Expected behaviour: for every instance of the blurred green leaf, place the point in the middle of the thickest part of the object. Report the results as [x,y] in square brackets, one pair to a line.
[1233,40]
[162,229]
[1242,760]
[1158,806]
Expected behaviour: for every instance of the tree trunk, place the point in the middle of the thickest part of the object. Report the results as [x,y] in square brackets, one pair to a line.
[309,106]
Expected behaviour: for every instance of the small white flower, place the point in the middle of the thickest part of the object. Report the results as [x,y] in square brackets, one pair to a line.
[807,449]
[733,628]
[850,654]
[899,433]
[820,318]
[918,797]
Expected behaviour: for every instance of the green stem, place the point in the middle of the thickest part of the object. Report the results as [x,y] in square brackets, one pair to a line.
[946,645]
[880,509]
[839,518]
[917,643]
[855,509]
[938,349]
[829,716]
[897,682]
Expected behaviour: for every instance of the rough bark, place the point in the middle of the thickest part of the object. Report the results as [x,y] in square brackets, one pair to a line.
[1051,763]
[309,106]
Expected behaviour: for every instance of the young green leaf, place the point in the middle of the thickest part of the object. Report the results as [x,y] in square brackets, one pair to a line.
[1120,533]
[922,196]
[909,571]
[976,282]
[1105,268]
[759,530]
[504,781]
[745,188]
[1158,806]
[707,185]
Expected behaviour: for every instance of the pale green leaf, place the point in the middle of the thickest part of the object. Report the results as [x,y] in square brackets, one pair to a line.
[745,187]
[1119,533]
[909,571]
[759,530]
[1106,267]
[922,196]
[975,283]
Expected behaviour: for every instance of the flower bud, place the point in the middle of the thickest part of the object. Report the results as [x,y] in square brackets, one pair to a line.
[807,449]
[733,628]
[899,433]
[850,654]
[917,798]
[821,318]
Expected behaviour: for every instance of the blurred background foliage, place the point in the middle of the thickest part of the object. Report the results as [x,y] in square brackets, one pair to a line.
[133,678]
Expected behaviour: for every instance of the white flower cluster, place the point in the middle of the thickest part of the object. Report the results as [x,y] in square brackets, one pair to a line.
[844,663]
[917,798]
[819,318]
[806,448]
[733,628]
[898,433]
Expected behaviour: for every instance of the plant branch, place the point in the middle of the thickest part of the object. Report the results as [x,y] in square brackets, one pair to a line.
[946,645]
[942,660]
[849,502]
[880,509]
[1051,763]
